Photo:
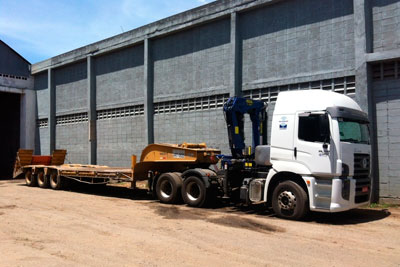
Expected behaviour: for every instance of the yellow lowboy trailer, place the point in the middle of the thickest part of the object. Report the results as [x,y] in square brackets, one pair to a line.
[165,166]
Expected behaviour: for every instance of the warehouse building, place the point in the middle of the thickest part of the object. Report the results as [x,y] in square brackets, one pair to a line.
[167,81]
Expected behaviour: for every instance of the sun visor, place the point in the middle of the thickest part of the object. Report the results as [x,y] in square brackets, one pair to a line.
[348,113]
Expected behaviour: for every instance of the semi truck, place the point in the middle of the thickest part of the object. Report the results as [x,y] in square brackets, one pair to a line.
[318,159]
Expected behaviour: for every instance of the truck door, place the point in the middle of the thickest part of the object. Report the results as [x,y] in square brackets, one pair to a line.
[312,142]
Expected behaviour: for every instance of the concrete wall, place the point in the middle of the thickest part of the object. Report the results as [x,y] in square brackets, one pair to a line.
[42,145]
[193,127]
[386,25]
[118,139]
[294,38]
[73,138]
[42,95]
[71,88]
[42,141]
[119,77]
[193,61]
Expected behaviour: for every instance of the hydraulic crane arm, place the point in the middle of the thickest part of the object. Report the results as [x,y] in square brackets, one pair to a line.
[234,110]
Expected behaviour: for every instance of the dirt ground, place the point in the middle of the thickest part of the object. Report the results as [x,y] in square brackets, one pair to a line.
[112,227]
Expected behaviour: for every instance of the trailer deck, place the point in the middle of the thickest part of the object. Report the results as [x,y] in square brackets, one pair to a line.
[88,173]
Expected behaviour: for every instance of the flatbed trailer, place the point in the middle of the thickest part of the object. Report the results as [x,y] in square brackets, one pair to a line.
[156,160]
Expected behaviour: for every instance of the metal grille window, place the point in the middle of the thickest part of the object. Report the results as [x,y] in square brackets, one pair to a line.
[72,118]
[191,104]
[13,76]
[123,112]
[42,123]
[386,70]
[344,85]
[101,115]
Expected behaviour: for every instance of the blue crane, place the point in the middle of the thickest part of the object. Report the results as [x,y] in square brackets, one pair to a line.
[234,110]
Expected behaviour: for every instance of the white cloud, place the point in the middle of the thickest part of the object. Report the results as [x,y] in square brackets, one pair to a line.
[39,29]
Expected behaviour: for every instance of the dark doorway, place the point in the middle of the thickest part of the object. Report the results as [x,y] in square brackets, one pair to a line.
[9,133]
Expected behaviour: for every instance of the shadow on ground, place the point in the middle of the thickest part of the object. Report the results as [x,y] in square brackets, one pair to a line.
[102,190]
[356,216]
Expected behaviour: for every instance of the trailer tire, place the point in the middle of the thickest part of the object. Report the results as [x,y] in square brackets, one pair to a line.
[168,188]
[30,179]
[42,180]
[56,181]
[290,201]
[195,193]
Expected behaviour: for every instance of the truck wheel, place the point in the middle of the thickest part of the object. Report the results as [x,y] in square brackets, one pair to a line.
[30,179]
[168,188]
[195,193]
[42,180]
[56,181]
[290,201]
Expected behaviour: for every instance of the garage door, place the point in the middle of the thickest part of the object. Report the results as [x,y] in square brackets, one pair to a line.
[386,86]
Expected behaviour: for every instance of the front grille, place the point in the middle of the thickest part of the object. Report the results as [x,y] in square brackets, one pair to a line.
[362,165]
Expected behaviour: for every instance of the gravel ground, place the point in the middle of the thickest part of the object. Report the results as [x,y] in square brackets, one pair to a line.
[112,226]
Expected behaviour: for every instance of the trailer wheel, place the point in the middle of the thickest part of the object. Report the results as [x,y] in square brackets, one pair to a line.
[56,181]
[42,180]
[290,201]
[30,178]
[168,188]
[195,193]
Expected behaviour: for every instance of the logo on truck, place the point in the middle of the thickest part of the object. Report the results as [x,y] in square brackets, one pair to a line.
[283,123]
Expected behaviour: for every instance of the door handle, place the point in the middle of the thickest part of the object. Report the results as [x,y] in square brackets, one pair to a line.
[295,152]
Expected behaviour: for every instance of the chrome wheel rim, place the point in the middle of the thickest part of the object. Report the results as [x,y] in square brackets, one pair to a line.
[287,200]
[165,189]
[41,177]
[193,191]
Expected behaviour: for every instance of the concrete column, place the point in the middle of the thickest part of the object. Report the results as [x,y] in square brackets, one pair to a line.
[236,56]
[52,108]
[28,119]
[92,114]
[148,92]
[363,45]
[364,92]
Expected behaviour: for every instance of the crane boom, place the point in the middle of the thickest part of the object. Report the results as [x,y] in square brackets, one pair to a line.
[234,110]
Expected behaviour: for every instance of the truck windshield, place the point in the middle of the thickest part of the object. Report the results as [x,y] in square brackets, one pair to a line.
[353,131]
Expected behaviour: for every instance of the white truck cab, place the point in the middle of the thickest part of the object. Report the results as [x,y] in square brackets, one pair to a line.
[320,141]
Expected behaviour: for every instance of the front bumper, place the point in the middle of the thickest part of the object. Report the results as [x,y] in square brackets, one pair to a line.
[333,195]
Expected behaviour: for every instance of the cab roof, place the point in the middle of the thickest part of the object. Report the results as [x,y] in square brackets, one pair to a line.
[290,102]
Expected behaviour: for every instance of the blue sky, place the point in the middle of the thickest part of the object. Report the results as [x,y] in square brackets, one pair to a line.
[39,29]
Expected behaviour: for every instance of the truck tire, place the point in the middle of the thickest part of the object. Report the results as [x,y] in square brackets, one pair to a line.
[42,180]
[168,188]
[290,201]
[30,179]
[195,193]
[56,181]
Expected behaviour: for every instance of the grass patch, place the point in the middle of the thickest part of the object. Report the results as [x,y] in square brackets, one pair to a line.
[382,206]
